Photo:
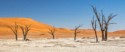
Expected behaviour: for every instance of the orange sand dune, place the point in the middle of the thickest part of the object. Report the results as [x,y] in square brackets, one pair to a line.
[40,30]
[37,28]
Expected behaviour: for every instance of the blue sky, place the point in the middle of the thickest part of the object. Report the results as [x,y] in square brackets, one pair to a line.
[64,13]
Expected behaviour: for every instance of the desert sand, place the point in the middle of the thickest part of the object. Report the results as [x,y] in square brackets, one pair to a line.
[41,41]
[40,30]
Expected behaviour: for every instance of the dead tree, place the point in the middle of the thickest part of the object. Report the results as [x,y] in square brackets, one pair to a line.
[100,19]
[107,23]
[76,31]
[25,29]
[14,29]
[94,26]
[103,22]
[52,32]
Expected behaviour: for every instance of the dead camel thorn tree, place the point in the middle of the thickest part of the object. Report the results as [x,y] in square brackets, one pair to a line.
[76,31]
[14,29]
[94,26]
[25,29]
[103,22]
[52,32]
[100,20]
[107,23]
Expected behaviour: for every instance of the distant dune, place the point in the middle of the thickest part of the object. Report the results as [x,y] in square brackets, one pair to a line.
[40,30]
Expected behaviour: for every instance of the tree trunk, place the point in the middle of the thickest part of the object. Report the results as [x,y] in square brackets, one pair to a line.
[103,35]
[16,37]
[53,36]
[106,34]
[24,37]
[75,36]
[96,36]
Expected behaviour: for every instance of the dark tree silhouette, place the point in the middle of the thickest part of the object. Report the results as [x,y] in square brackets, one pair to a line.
[94,26]
[14,29]
[76,31]
[25,29]
[52,31]
[100,19]
[107,23]
[103,22]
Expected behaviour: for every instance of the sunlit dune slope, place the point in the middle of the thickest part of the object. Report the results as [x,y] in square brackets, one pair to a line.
[36,26]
